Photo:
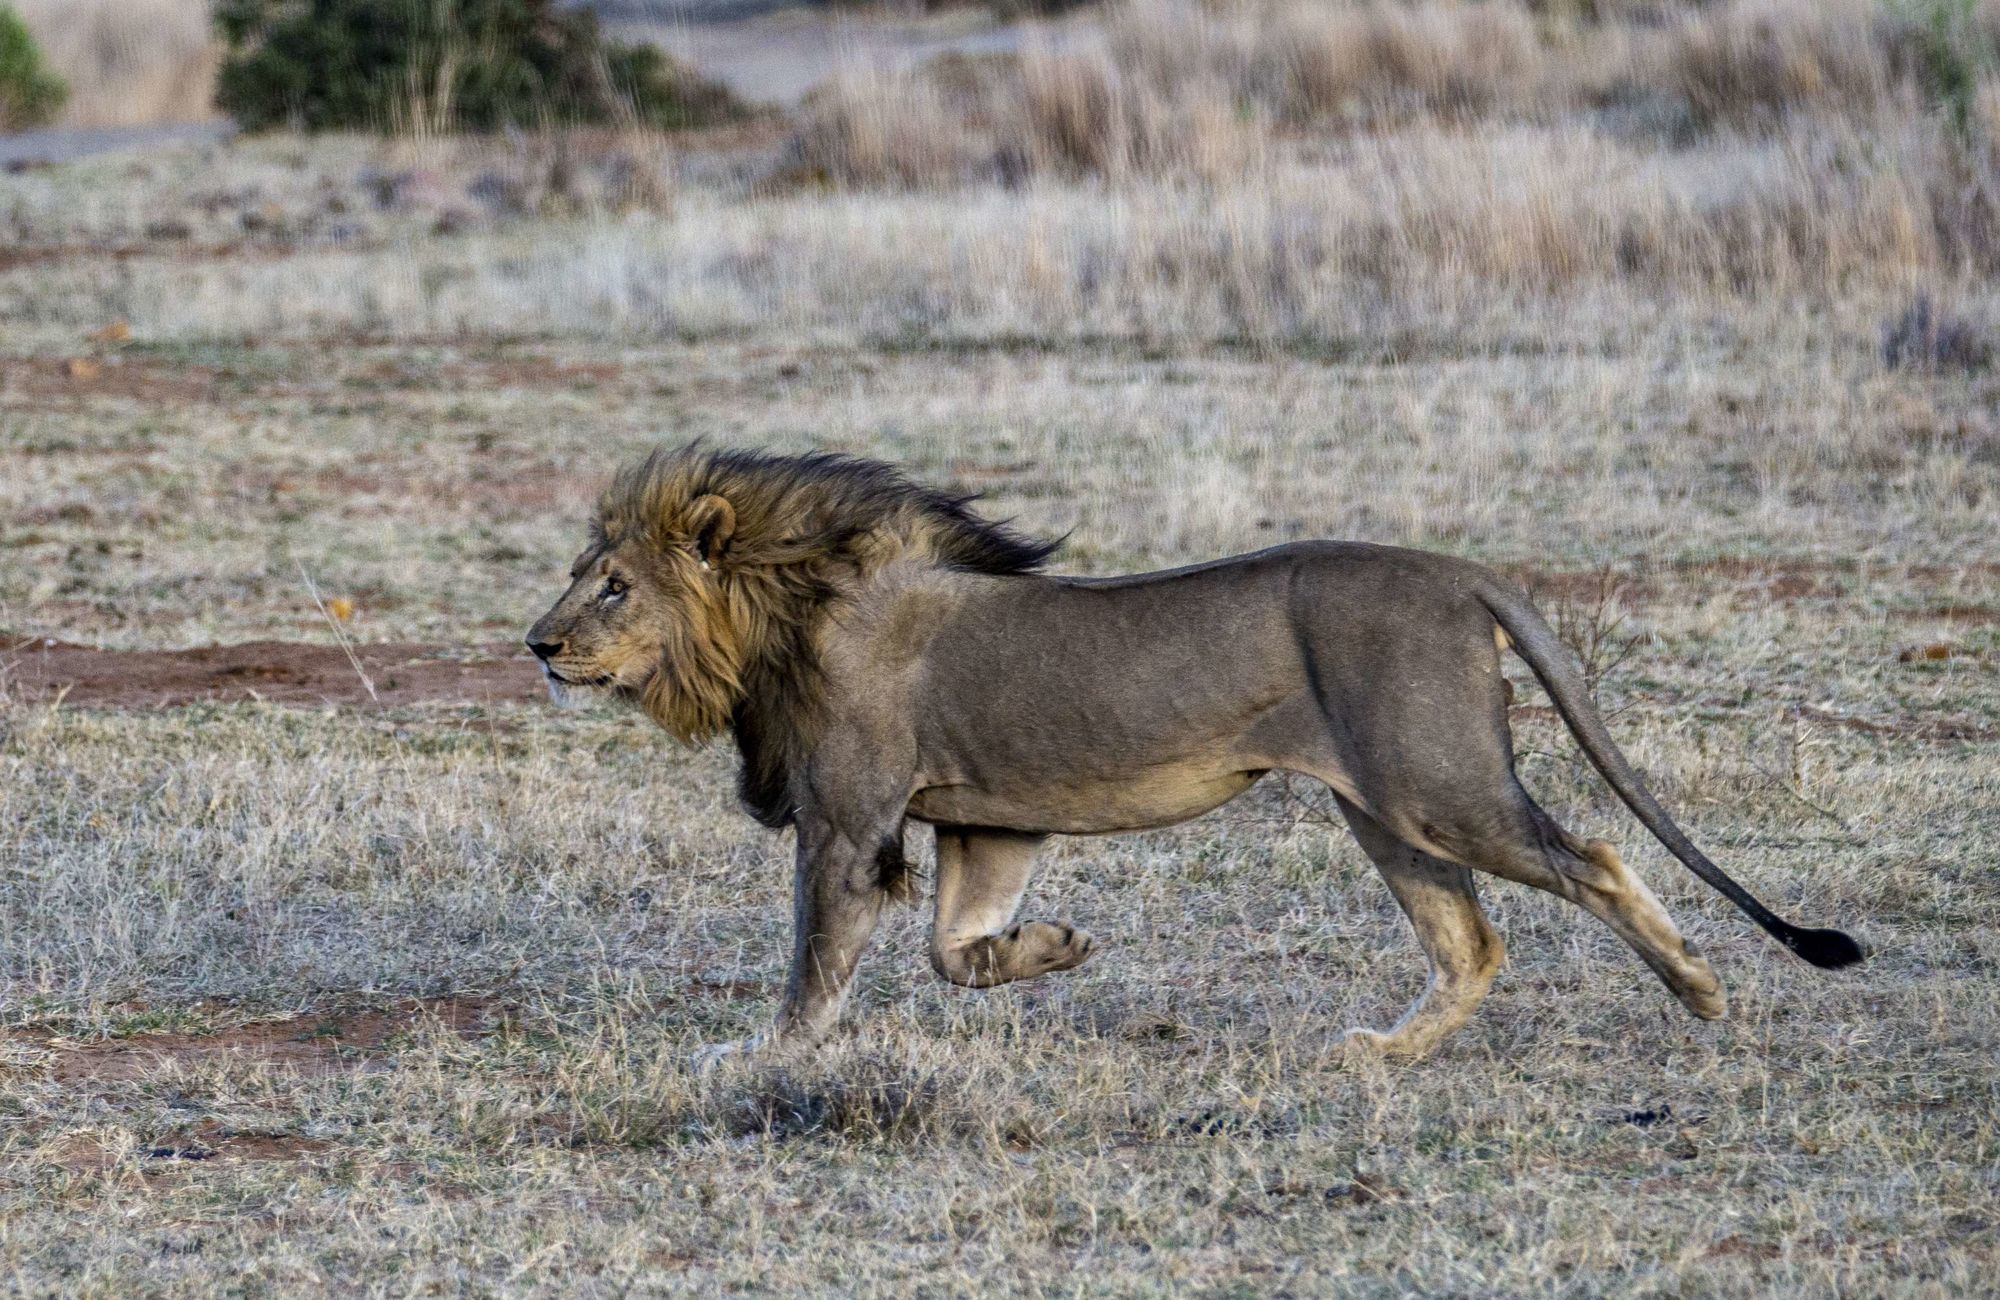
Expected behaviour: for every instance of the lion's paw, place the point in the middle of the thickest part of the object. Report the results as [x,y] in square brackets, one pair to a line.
[1071,949]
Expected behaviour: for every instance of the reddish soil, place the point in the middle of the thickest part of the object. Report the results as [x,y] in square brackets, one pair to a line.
[84,376]
[1915,729]
[1902,728]
[272,671]
[1749,581]
[333,1043]
[309,1045]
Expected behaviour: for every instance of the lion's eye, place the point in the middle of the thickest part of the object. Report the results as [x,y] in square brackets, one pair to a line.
[613,588]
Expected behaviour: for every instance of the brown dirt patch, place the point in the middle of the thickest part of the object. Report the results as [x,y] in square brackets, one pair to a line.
[529,370]
[279,672]
[1899,728]
[81,377]
[503,488]
[1974,614]
[309,1045]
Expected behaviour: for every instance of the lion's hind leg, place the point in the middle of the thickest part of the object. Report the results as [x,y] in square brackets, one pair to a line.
[981,876]
[1597,879]
[1590,874]
[1464,950]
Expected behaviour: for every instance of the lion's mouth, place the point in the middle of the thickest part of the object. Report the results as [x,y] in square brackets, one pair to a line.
[581,682]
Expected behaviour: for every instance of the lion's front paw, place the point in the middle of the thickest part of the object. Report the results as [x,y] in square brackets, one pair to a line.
[1069,948]
[714,1055]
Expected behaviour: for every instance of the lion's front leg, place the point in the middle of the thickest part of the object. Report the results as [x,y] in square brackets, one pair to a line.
[837,897]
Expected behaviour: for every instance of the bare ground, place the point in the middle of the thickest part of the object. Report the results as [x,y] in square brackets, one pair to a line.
[35,671]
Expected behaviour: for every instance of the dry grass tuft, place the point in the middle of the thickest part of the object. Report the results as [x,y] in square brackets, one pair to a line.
[129,62]
[1212,93]
[1757,58]
[1309,63]
[1085,114]
[870,129]
[857,1101]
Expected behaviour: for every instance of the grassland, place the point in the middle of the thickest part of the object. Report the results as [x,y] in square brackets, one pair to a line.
[397,999]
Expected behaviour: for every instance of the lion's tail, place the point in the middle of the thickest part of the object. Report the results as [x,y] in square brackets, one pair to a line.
[1536,642]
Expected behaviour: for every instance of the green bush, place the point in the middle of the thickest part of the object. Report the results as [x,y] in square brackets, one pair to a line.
[30,95]
[473,65]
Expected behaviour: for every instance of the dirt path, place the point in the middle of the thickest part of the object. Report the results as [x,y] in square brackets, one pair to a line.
[274,671]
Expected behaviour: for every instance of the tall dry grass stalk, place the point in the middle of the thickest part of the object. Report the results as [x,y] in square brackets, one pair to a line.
[129,62]
[1057,112]
[1302,62]
[873,129]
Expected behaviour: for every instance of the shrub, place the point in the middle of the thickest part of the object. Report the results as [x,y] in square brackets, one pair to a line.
[867,129]
[437,65]
[30,95]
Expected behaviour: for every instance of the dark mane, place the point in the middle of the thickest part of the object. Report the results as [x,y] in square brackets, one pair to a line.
[806,528]
[816,506]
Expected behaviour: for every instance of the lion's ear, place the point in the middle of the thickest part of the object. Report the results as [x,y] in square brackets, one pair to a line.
[712,521]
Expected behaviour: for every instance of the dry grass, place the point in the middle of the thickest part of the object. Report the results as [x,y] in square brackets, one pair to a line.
[1744,362]
[1176,88]
[1305,63]
[129,62]
[1775,56]
[876,130]
[1431,223]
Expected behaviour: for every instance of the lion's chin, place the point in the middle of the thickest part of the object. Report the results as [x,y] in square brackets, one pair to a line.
[568,694]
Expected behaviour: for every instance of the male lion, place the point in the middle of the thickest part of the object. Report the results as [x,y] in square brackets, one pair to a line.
[881,654]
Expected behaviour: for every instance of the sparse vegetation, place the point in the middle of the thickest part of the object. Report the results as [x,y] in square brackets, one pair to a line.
[341,993]
[1957,43]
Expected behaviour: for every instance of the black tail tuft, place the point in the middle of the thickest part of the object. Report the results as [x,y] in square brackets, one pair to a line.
[1827,949]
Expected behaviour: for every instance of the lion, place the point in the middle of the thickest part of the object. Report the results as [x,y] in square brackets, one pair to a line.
[881,655]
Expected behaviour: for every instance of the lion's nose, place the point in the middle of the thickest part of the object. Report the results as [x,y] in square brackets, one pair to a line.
[545,650]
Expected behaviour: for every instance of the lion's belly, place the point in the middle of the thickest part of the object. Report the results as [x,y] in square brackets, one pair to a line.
[1161,797]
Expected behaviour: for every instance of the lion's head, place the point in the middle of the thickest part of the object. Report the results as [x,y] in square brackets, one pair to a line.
[707,572]
[647,616]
